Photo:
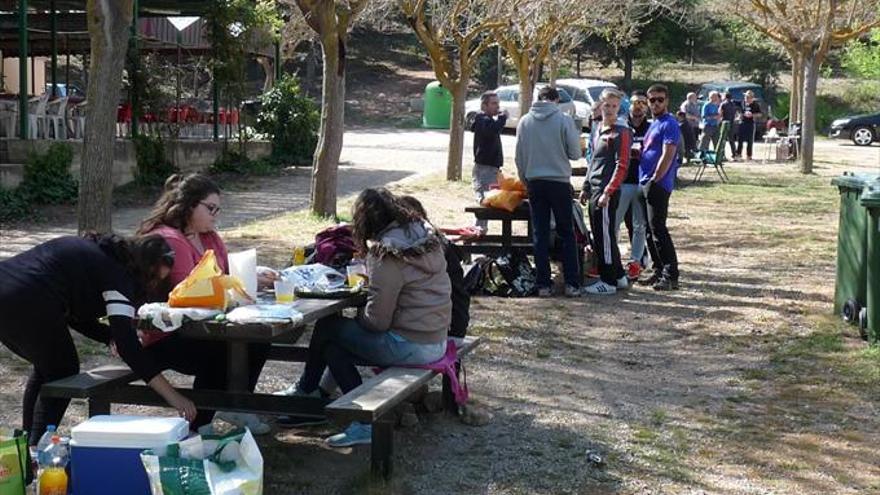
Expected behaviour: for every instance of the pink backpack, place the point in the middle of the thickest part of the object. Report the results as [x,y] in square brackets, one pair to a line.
[447,365]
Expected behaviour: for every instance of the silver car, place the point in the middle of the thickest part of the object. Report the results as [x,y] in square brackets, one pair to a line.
[508,96]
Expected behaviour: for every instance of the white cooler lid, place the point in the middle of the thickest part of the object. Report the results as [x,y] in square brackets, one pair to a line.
[129,432]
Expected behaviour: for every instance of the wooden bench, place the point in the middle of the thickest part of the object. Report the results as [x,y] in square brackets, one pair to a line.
[95,386]
[373,403]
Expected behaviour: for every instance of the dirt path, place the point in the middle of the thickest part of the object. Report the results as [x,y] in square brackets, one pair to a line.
[370,158]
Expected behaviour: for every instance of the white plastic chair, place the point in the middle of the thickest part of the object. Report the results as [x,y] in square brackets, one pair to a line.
[36,116]
[77,119]
[55,117]
[8,118]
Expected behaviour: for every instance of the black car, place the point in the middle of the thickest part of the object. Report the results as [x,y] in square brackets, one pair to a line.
[861,129]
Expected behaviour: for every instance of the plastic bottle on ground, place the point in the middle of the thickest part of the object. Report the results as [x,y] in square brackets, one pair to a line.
[53,477]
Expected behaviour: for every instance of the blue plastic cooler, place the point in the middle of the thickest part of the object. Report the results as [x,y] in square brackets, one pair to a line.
[105,452]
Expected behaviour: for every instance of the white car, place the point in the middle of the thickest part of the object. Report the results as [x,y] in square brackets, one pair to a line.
[508,96]
[585,92]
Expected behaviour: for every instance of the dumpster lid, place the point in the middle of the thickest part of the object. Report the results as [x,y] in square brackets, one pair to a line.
[871,194]
[853,181]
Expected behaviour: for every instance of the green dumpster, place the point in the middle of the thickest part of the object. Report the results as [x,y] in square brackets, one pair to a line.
[869,324]
[850,288]
[438,107]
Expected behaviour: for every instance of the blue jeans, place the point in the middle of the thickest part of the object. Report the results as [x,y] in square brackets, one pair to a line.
[631,198]
[342,343]
[546,196]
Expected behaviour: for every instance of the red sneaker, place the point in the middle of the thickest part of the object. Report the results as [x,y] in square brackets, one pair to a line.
[633,270]
[593,272]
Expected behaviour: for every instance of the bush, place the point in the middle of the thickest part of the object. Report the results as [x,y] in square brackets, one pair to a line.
[291,119]
[47,178]
[153,167]
[13,205]
[236,162]
[828,108]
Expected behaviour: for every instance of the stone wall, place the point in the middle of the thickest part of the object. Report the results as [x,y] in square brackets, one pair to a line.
[189,156]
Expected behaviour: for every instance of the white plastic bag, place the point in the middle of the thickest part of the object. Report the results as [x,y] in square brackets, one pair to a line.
[264,313]
[316,277]
[220,465]
[168,319]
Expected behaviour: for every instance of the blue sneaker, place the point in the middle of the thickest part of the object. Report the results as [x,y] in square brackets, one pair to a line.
[355,434]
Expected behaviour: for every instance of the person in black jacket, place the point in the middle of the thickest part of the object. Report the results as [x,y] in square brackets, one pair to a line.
[461,299]
[73,282]
[488,154]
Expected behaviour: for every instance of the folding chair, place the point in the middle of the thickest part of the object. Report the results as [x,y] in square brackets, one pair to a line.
[714,157]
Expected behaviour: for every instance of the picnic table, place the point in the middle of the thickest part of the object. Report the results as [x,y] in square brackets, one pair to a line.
[370,403]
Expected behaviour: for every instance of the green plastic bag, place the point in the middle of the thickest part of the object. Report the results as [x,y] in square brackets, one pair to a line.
[13,463]
[207,465]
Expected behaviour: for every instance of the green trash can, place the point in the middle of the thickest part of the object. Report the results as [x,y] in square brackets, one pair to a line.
[869,323]
[438,107]
[850,288]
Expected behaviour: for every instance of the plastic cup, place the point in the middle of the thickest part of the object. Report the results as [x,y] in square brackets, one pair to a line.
[355,274]
[283,292]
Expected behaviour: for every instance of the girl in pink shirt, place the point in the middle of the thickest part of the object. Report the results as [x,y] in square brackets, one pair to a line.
[185,216]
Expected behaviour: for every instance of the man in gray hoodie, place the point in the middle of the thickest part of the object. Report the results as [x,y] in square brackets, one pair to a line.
[546,140]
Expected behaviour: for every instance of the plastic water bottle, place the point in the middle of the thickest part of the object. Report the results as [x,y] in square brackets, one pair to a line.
[45,441]
[53,477]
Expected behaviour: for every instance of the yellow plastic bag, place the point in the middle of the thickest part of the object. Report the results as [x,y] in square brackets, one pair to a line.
[205,286]
[503,200]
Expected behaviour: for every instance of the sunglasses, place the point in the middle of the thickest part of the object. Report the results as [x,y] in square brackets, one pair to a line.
[168,258]
[212,208]
[657,99]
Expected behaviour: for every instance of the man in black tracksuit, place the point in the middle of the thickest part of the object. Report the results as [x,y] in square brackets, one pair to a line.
[608,168]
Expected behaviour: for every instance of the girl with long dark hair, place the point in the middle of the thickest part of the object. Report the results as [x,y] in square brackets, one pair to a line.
[408,308]
[185,216]
[72,282]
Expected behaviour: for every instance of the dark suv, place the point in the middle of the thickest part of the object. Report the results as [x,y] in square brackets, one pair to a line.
[738,89]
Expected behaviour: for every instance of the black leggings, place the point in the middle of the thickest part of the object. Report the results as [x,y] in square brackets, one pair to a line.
[49,347]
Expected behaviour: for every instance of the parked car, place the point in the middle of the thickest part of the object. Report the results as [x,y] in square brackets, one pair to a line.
[509,99]
[738,89]
[585,92]
[861,129]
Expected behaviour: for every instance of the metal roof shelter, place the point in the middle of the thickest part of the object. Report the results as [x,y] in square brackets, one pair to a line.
[31,28]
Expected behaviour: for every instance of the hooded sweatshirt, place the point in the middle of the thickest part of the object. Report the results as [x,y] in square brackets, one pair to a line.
[546,139]
[409,291]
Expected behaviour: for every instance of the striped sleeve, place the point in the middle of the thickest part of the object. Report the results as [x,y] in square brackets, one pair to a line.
[623,152]
[117,304]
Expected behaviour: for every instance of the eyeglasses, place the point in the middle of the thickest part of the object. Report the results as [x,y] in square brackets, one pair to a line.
[657,99]
[212,208]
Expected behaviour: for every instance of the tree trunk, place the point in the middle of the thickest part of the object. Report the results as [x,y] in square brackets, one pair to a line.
[456,130]
[554,70]
[797,88]
[627,69]
[326,160]
[525,85]
[808,129]
[578,70]
[500,70]
[109,24]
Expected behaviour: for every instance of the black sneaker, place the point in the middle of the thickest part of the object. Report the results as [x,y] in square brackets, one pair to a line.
[666,283]
[299,421]
[653,279]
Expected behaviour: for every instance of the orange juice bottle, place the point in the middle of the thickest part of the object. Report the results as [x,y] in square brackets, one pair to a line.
[53,481]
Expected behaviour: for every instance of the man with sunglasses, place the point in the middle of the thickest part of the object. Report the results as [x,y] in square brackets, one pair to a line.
[657,170]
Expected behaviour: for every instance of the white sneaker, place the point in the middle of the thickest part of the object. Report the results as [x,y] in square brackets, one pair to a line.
[241,420]
[623,283]
[600,288]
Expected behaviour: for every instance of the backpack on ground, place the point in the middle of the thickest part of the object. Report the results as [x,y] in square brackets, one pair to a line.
[508,275]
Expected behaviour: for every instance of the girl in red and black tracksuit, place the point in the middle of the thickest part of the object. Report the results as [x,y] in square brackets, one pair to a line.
[72,282]
[608,168]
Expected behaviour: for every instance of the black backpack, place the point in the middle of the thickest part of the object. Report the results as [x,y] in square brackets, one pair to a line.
[508,275]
